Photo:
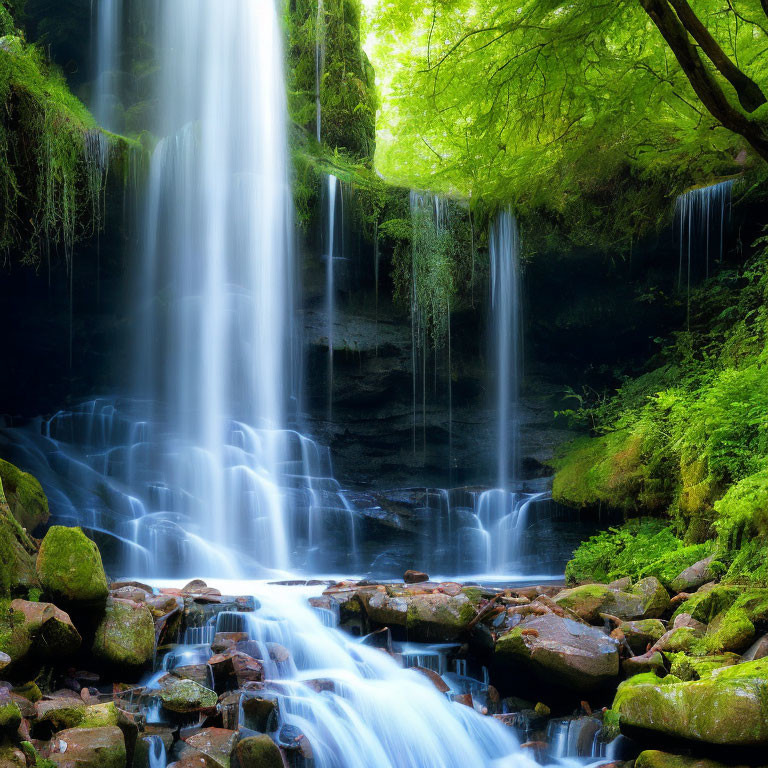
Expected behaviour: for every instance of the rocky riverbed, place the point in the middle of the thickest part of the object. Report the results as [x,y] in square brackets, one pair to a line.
[104,674]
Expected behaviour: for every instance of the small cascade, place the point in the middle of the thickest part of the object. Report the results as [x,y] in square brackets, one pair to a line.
[355,706]
[703,216]
[107,18]
[156,750]
[108,466]
[319,67]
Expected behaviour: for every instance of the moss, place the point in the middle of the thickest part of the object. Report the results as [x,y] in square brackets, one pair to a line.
[187,696]
[15,637]
[10,717]
[24,496]
[53,158]
[17,573]
[126,635]
[100,715]
[694,710]
[347,90]
[70,568]
[258,751]
[640,548]
[29,691]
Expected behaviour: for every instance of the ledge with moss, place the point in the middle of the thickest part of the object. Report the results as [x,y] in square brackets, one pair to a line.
[687,441]
[54,159]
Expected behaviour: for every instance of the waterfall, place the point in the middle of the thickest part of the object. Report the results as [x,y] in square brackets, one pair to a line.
[702,215]
[106,59]
[504,246]
[332,243]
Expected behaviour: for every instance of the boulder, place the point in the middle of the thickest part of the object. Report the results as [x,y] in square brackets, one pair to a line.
[70,569]
[426,617]
[125,636]
[217,743]
[258,752]
[60,713]
[101,715]
[24,496]
[758,649]
[729,707]
[17,555]
[52,632]
[640,634]
[89,748]
[561,651]
[10,714]
[187,696]
[693,577]
[415,577]
[655,597]
[590,600]
[653,758]
[652,661]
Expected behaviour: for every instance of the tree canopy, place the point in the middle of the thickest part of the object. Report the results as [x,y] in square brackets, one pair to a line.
[574,109]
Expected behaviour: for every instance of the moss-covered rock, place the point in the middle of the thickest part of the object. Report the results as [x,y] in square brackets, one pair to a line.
[60,713]
[559,651]
[652,758]
[187,696]
[17,556]
[258,752]
[125,638]
[70,569]
[640,634]
[647,599]
[100,715]
[25,497]
[52,632]
[729,707]
[89,748]
[10,715]
[689,668]
[15,636]
[655,597]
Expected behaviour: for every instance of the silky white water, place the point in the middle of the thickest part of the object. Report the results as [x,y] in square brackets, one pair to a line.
[504,251]
[374,713]
[107,18]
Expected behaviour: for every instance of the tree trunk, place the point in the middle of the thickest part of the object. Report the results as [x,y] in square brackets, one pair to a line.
[704,83]
[748,91]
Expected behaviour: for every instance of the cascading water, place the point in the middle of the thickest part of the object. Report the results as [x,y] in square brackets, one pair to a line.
[352,704]
[331,245]
[702,216]
[502,513]
[107,15]
[504,248]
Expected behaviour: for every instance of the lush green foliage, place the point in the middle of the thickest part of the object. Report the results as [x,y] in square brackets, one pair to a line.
[346,88]
[640,548]
[53,158]
[690,437]
[577,113]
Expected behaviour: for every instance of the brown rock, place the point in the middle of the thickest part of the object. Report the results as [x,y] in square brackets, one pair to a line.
[89,748]
[436,680]
[52,631]
[216,743]
[415,577]
[225,640]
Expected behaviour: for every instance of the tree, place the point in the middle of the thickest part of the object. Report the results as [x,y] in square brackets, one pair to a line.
[573,108]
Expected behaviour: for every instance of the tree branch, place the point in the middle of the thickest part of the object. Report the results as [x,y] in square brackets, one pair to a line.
[748,91]
[704,83]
